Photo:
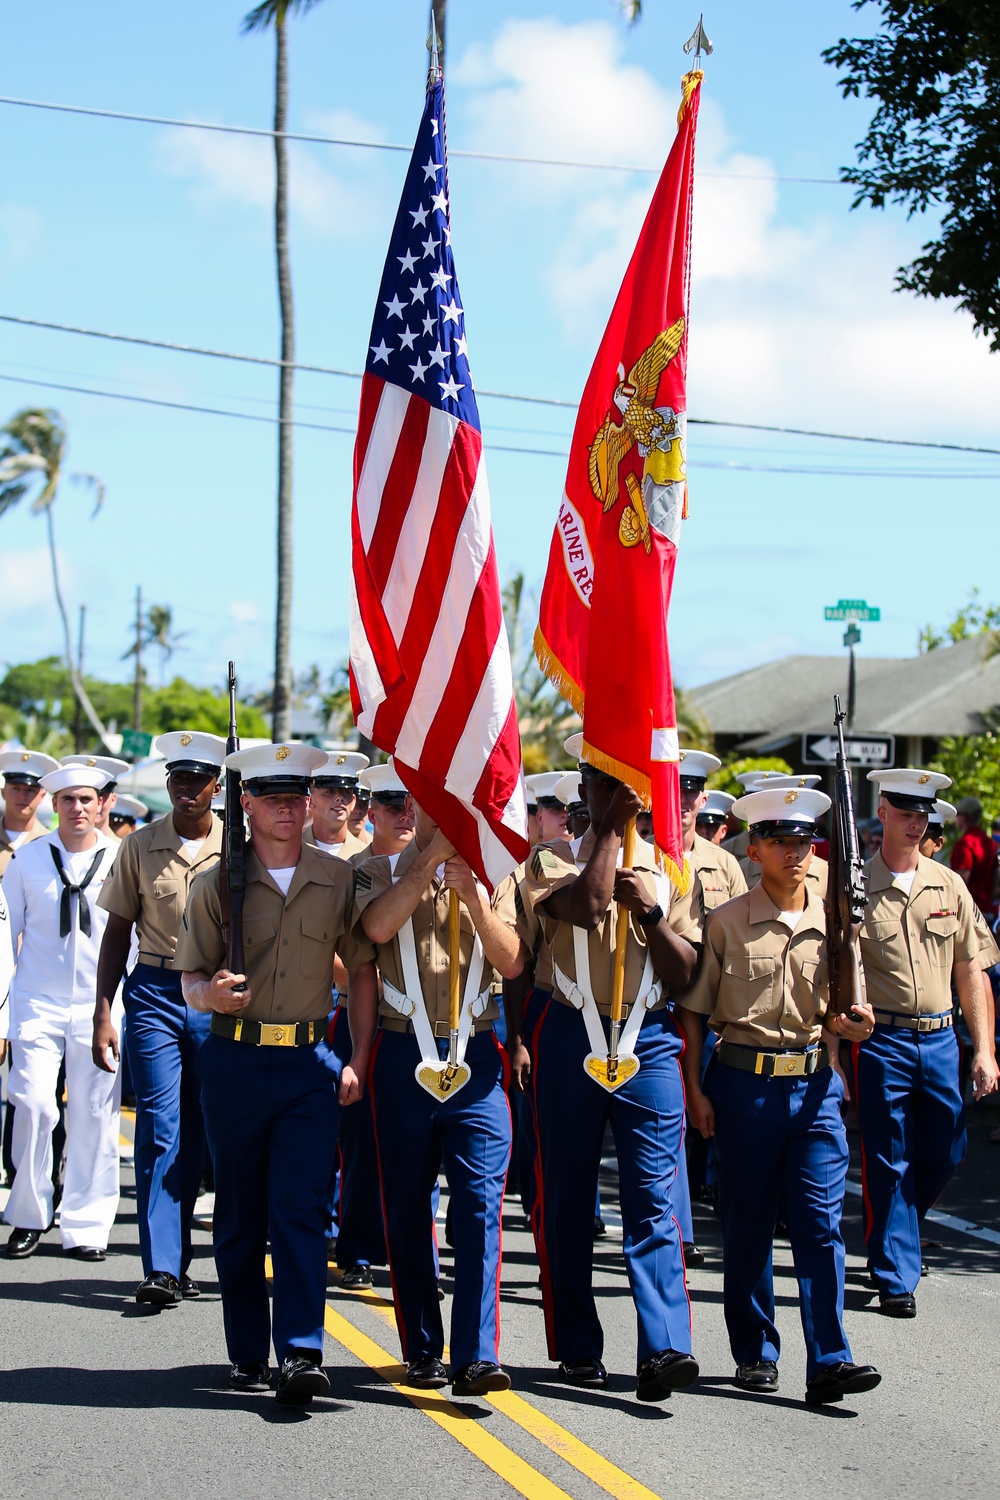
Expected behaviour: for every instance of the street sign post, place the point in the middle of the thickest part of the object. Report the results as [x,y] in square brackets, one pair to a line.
[862,749]
[136,744]
[852,609]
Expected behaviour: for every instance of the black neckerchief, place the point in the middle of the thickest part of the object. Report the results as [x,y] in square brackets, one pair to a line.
[69,890]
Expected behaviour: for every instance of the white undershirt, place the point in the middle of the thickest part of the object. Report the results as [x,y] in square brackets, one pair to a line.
[283,878]
[905,878]
[337,850]
[791,919]
[15,840]
[191,846]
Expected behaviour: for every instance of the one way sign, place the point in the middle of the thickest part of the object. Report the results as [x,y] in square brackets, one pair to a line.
[862,749]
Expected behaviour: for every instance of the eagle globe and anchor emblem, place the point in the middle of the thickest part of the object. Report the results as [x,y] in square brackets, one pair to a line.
[659,433]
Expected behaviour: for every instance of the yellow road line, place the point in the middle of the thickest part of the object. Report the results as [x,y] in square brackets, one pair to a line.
[503,1461]
[593,1465]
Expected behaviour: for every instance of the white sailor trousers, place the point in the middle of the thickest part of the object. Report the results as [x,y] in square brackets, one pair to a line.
[46,1032]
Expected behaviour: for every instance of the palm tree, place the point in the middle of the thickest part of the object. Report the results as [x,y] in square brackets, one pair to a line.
[274,13]
[31,459]
[544,718]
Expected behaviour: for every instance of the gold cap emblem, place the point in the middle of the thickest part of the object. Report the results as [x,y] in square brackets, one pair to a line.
[802,781]
[283,753]
[923,780]
[26,755]
[186,739]
[341,760]
[92,761]
[791,796]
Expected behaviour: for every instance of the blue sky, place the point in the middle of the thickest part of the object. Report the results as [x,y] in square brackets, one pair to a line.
[166,233]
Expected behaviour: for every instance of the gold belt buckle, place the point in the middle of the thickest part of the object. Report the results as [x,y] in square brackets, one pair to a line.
[793,1065]
[276,1036]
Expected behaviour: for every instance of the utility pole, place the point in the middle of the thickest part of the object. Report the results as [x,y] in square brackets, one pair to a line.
[137,713]
[78,720]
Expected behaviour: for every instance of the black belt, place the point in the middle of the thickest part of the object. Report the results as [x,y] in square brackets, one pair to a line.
[260,1034]
[914,1023]
[775,1064]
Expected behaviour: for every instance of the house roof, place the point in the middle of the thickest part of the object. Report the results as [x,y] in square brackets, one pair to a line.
[946,691]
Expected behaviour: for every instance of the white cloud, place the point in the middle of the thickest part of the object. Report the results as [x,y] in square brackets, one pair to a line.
[26,579]
[331,191]
[793,315]
[20,232]
[245,611]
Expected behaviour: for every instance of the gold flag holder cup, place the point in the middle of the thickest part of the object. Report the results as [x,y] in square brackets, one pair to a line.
[612,1070]
[443,1080]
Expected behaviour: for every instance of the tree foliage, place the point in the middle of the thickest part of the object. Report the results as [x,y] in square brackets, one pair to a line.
[973,618]
[973,763]
[724,780]
[934,140]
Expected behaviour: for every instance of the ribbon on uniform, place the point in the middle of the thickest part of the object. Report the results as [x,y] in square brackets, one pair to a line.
[70,890]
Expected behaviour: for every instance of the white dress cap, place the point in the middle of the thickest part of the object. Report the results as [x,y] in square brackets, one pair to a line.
[129,807]
[342,768]
[109,764]
[77,775]
[568,788]
[914,789]
[383,780]
[717,806]
[26,766]
[943,812]
[788,805]
[189,748]
[543,784]
[759,781]
[294,763]
[696,765]
[574,745]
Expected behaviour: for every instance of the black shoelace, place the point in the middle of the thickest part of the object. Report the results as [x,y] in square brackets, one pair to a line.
[70,890]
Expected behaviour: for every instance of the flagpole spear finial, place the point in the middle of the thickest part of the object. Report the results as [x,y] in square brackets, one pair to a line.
[698,42]
[435,71]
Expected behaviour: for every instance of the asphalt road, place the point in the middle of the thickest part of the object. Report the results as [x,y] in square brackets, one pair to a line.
[100,1397]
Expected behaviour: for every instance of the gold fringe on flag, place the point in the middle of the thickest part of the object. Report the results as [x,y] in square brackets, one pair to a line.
[689,83]
[564,684]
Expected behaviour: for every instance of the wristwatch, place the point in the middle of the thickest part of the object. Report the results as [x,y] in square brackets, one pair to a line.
[654,915]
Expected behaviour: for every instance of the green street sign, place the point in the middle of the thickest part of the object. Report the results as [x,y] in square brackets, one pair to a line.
[852,609]
[852,635]
[136,744]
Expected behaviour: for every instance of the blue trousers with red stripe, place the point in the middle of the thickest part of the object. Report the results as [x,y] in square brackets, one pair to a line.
[360,1229]
[913,1138]
[774,1135]
[468,1133]
[647,1120]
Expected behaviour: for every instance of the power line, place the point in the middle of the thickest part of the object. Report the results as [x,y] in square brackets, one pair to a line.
[244,416]
[255,359]
[331,140]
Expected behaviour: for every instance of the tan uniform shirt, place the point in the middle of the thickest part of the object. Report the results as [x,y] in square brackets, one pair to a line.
[989,953]
[430,933]
[910,943]
[761,985]
[345,850]
[737,845]
[289,941]
[552,866]
[7,848]
[150,882]
[718,871]
[817,875]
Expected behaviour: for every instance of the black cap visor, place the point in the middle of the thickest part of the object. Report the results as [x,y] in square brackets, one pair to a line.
[910,804]
[277,786]
[552,804]
[395,800]
[693,783]
[785,829]
[21,778]
[194,768]
[337,783]
[705,816]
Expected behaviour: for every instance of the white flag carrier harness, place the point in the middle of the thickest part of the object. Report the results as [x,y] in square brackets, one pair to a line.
[411,1004]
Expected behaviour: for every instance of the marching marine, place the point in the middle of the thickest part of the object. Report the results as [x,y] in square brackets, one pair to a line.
[918,939]
[425,1114]
[772,1101]
[154,872]
[269,1077]
[23,794]
[333,797]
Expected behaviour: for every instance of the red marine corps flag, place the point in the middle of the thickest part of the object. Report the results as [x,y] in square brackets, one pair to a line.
[431,678]
[602,633]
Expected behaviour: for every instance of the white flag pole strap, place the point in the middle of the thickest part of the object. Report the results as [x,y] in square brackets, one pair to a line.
[581,995]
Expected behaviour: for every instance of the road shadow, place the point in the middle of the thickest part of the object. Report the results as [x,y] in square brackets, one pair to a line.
[618,1394]
[180,1388]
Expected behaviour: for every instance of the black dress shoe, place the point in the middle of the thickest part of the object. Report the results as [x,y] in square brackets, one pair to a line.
[189,1288]
[842,1379]
[159,1289]
[600,1228]
[664,1373]
[588,1372]
[357,1276]
[87,1252]
[22,1243]
[762,1376]
[300,1380]
[693,1256]
[255,1376]
[897,1304]
[427,1374]
[479,1378]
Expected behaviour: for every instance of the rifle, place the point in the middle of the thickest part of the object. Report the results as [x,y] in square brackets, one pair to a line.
[232,865]
[845,897]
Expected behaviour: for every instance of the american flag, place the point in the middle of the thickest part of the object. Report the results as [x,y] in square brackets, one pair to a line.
[430,663]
